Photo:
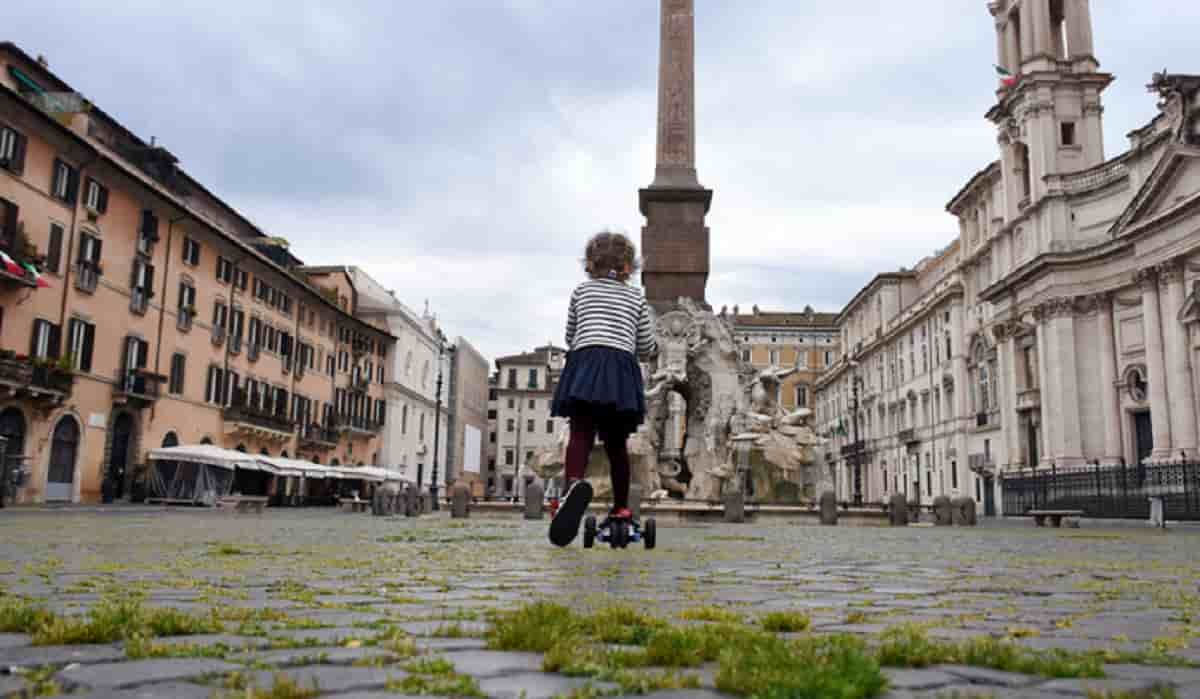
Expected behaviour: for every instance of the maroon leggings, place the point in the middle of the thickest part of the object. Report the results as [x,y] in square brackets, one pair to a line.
[583,435]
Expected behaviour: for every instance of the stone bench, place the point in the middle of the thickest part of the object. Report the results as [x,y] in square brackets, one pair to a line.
[1055,516]
[244,503]
[356,505]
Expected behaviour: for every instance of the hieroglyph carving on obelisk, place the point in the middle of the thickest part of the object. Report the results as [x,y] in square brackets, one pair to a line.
[676,166]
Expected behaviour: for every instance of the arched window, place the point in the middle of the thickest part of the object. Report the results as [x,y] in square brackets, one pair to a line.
[63,452]
[283,454]
[264,452]
[335,462]
[241,448]
[206,440]
[170,439]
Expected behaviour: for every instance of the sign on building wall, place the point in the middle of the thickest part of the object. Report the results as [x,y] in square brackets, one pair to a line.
[472,449]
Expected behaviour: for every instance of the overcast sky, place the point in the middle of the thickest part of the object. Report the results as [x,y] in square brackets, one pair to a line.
[461,151]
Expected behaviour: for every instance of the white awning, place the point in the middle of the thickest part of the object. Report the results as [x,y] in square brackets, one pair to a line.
[280,466]
[207,454]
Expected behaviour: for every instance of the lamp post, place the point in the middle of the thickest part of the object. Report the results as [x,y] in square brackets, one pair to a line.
[437,423]
[856,446]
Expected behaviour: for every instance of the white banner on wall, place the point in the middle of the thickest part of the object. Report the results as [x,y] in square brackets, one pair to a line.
[472,449]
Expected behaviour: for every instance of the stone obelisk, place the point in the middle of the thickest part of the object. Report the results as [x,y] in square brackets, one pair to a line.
[675,244]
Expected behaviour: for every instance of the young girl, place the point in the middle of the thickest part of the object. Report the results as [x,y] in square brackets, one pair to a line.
[609,325]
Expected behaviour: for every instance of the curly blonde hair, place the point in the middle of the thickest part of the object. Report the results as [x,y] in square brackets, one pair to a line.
[610,255]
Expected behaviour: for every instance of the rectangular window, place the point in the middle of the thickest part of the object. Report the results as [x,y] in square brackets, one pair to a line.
[178,364]
[81,338]
[511,425]
[191,252]
[214,386]
[64,184]
[508,457]
[512,379]
[549,427]
[532,404]
[44,342]
[54,248]
[95,196]
[533,378]
[89,249]
[12,150]
[224,270]
[529,426]
[774,357]
[242,277]
[220,315]
[1068,133]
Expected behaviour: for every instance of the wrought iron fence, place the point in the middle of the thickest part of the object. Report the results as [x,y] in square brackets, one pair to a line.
[1106,491]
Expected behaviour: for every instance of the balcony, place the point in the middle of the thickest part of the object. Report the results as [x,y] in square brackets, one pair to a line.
[245,421]
[908,436]
[235,344]
[139,301]
[218,335]
[316,436]
[87,276]
[137,388]
[359,427]
[184,318]
[46,385]
[23,277]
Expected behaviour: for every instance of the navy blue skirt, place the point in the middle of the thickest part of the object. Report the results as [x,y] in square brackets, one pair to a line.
[602,383]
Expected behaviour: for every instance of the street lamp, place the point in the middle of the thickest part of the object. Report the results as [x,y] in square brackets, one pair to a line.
[856,447]
[437,421]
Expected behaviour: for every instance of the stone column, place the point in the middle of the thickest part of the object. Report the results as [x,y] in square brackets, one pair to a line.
[1064,378]
[1007,341]
[1180,388]
[1012,47]
[1079,28]
[1045,391]
[1042,41]
[1002,57]
[1109,400]
[1027,31]
[1160,411]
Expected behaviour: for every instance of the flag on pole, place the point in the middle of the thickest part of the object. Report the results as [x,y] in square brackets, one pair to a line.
[37,276]
[12,266]
[1007,79]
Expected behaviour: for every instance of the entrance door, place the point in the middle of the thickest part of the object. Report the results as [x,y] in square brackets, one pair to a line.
[63,453]
[12,448]
[989,496]
[1143,436]
[119,458]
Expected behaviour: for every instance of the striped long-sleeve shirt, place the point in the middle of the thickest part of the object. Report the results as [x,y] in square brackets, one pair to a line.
[609,313]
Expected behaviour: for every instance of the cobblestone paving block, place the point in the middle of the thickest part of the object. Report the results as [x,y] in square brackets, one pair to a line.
[14,640]
[1174,675]
[325,636]
[139,672]
[336,617]
[988,676]
[489,663]
[535,685]
[231,641]
[375,695]
[325,655]
[332,678]
[432,627]
[918,679]
[12,686]
[682,694]
[1188,691]
[167,690]
[1082,687]
[451,644]
[36,656]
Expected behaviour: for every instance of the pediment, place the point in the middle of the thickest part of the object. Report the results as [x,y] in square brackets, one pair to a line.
[1174,181]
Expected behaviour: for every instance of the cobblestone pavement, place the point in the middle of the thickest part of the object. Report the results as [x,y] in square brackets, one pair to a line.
[365,607]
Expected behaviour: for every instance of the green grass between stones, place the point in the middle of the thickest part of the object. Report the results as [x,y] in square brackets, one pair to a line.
[111,620]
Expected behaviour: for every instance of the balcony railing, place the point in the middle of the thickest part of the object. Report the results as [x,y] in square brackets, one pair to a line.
[137,387]
[27,380]
[184,318]
[314,435]
[87,275]
[357,425]
[139,301]
[260,419]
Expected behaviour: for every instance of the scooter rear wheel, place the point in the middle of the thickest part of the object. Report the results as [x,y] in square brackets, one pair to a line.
[648,534]
[589,532]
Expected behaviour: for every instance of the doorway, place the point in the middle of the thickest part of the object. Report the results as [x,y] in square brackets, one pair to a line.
[989,496]
[64,451]
[118,460]
[12,448]
[1143,430]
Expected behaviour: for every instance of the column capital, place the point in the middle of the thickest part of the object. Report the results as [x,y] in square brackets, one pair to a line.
[1146,278]
[1062,307]
[1169,271]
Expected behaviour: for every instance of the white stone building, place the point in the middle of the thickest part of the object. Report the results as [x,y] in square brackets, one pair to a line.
[411,383]
[524,386]
[1069,299]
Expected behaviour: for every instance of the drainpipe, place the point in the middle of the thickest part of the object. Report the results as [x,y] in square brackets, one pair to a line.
[62,312]
[162,306]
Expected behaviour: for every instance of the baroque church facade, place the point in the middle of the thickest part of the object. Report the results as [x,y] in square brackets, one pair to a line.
[1062,326]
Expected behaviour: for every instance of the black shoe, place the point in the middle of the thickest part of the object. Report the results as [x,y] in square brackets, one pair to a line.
[565,524]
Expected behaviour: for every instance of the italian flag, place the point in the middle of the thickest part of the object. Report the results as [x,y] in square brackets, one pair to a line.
[1007,79]
[37,276]
[13,267]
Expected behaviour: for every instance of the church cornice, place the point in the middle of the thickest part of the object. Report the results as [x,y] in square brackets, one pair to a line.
[1049,262]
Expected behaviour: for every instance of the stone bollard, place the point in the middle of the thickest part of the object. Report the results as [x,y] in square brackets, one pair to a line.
[964,512]
[635,501]
[734,504]
[898,510]
[943,511]
[460,502]
[410,501]
[534,507]
[829,509]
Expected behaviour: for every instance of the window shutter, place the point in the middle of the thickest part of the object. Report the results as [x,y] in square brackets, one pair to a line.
[55,341]
[96,247]
[54,249]
[10,221]
[17,166]
[72,185]
[208,385]
[56,176]
[149,280]
[143,353]
[33,337]
[133,273]
[102,204]
[89,341]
